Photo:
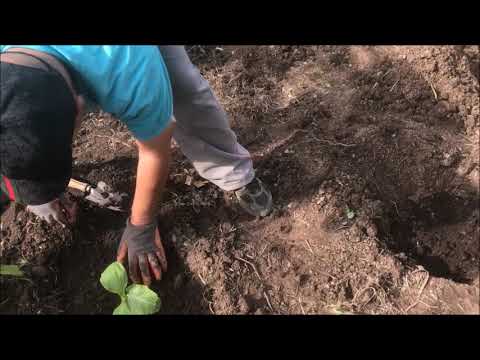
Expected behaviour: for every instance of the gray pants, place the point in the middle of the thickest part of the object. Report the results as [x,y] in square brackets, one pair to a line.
[203,131]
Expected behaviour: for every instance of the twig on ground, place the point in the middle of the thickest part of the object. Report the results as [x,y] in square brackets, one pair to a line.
[235,78]
[210,307]
[268,301]
[386,73]
[301,306]
[341,227]
[396,208]
[425,282]
[428,305]
[263,250]
[393,86]
[252,265]
[309,246]
[433,90]
[201,279]
[333,143]
[314,138]
[361,292]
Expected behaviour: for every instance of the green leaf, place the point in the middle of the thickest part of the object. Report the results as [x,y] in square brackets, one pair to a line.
[141,300]
[114,279]
[339,311]
[12,270]
[350,214]
[122,309]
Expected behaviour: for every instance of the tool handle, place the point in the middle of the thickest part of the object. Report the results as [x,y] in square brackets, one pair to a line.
[78,185]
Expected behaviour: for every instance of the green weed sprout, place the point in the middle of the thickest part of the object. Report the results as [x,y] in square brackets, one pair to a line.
[11,270]
[135,299]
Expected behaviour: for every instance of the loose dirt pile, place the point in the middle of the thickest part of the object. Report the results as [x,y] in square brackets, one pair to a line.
[372,157]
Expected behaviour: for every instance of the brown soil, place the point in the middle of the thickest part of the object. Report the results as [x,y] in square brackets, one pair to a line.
[387,135]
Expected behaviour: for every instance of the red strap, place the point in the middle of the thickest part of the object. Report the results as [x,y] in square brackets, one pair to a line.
[8,185]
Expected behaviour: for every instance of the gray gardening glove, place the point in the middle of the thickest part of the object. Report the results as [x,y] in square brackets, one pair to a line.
[145,252]
[61,210]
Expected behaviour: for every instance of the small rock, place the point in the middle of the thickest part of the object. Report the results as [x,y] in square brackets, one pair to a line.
[454,82]
[448,160]
[446,106]
[243,305]
[462,109]
[259,312]
[427,53]
[372,230]
[235,265]
[470,120]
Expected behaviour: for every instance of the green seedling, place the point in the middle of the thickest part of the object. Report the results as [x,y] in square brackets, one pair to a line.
[339,311]
[350,213]
[134,299]
[11,270]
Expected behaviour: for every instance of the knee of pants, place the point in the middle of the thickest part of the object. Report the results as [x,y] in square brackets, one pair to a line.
[187,83]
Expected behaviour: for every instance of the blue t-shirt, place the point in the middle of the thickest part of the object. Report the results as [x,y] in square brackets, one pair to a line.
[130,82]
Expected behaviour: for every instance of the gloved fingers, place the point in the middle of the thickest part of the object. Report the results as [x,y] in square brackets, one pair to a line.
[155,266]
[160,252]
[163,260]
[122,252]
[133,269]
[144,269]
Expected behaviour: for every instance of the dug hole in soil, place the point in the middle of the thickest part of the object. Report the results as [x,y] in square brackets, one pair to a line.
[372,155]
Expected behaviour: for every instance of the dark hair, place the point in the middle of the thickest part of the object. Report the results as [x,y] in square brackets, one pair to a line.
[37,114]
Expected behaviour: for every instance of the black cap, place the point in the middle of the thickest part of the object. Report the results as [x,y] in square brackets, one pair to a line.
[37,115]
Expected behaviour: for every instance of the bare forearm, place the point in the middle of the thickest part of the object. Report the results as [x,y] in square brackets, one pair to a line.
[152,174]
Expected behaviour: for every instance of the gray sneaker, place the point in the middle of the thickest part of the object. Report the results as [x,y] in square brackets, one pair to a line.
[255,198]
